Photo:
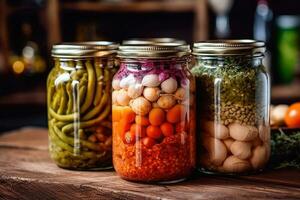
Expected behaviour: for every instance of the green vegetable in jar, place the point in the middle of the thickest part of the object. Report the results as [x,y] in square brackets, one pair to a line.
[79,113]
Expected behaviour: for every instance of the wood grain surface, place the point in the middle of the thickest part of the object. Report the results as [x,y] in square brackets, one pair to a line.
[27,172]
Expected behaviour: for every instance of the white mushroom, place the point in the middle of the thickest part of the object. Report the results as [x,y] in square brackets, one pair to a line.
[259,157]
[235,165]
[135,90]
[169,85]
[242,150]
[181,94]
[166,101]
[242,132]
[151,80]
[215,129]
[140,106]
[151,93]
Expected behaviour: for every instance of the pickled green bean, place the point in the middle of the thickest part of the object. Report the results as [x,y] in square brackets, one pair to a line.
[69,117]
[99,85]
[63,101]
[70,97]
[98,108]
[70,140]
[70,127]
[90,88]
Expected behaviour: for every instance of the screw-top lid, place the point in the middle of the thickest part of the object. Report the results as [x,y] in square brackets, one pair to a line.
[229,47]
[145,41]
[84,49]
[154,50]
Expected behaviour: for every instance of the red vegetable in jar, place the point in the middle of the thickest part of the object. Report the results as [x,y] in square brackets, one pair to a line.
[152,137]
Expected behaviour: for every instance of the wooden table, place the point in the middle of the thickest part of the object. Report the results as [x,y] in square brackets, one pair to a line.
[27,172]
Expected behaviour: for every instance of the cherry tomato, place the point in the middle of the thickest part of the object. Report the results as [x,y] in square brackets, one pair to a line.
[138,130]
[157,116]
[148,142]
[129,138]
[180,127]
[141,120]
[292,117]
[154,132]
[167,129]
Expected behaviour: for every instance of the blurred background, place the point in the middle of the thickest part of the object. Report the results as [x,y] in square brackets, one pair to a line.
[28,29]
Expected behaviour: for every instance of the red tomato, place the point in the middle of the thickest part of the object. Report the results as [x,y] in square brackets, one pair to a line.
[138,130]
[148,142]
[154,132]
[167,129]
[292,117]
[129,138]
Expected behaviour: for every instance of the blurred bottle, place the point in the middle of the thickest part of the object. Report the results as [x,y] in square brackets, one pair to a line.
[288,51]
[221,8]
[262,25]
[30,61]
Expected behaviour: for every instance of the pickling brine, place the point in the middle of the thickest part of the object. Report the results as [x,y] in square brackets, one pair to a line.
[233,95]
[153,114]
[79,105]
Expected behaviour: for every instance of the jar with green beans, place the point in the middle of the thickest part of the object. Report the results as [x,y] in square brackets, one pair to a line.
[79,105]
[233,96]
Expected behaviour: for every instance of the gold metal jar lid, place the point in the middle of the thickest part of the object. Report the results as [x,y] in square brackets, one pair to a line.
[84,49]
[154,50]
[145,41]
[229,47]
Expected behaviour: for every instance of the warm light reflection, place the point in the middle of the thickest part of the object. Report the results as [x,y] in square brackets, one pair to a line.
[18,67]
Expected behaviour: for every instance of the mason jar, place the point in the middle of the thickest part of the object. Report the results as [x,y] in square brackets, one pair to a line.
[153,113]
[79,105]
[233,97]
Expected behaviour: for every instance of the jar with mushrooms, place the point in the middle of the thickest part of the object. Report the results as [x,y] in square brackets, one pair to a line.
[153,113]
[232,106]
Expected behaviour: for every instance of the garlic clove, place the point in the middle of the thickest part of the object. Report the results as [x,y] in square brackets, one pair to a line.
[235,165]
[122,98]
[259,157]
[151,93]
[135,90]
[216,149]
[169,85]
[116,84]
[264,133]
[214,129]
[127,81]
[242,132]
[151,80]
[242,150]
[114,96]
[228,142]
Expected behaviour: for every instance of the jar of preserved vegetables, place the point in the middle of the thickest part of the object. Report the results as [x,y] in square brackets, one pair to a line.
[233,95]
[153,113]
[79,105]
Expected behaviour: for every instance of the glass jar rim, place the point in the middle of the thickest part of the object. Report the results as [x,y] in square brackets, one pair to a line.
[146,41]
[155,50]
[84,49]
[229,48]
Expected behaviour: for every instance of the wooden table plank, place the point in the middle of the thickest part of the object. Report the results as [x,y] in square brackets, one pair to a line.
[27,172]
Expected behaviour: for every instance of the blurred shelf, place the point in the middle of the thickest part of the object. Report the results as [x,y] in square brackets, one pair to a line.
[286,93]
[148,6]
[34,97]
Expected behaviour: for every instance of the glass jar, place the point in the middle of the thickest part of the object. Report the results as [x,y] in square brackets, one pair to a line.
[153,113]
[233,96]
[79,105]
